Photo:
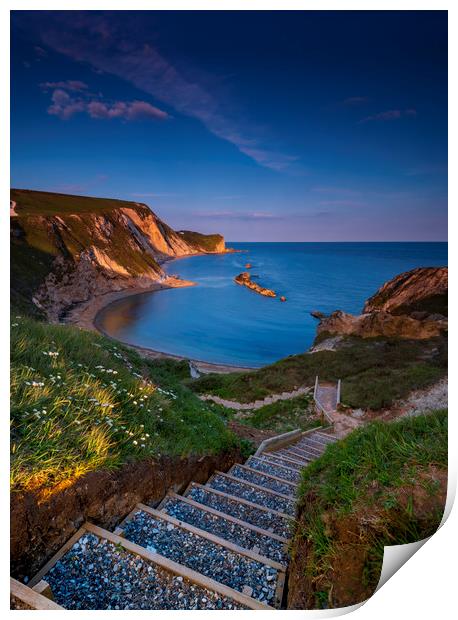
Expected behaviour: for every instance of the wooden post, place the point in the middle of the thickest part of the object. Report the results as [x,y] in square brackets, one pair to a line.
[316,387]
[338,391]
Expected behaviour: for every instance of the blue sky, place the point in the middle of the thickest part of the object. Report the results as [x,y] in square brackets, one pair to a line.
[265,126]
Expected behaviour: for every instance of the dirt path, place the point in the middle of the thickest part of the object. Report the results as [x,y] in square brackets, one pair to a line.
[257,404]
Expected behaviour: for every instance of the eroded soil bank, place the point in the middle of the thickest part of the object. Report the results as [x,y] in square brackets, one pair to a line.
[42,521]
[350,573]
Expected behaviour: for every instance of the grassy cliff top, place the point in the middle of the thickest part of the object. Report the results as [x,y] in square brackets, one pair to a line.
[206,242]
[384,484]
[374,372]
[80,402]
[31,202]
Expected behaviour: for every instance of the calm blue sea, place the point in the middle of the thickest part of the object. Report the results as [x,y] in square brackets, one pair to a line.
[219,321]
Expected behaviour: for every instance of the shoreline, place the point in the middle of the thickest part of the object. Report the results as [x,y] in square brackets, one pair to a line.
[85,316]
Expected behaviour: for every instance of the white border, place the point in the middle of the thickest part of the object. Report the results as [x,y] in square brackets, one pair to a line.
[424,587]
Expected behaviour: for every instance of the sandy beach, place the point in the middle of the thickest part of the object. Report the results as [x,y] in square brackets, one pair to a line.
[85,315]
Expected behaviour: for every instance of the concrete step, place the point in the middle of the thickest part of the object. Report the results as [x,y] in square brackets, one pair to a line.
[101,570]
[267,481]
[221,524]
[209,555]
[252,492]
[280,471]
[270,520]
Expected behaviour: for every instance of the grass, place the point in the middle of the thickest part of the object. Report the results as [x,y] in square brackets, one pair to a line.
[379,486]
[208,243]
[81,403]
[28,269]
[32,202]
[374,372]
[284,416]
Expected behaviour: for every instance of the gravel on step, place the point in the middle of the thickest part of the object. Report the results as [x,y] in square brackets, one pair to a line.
[252,494]
[311,444]
[235,533]
[202,555]
[262,480]
[276,458]
[96,574]
[261,518]
[295,457]
[274,470]
[304,453]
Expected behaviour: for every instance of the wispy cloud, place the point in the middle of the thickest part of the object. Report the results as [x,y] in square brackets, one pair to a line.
[389,115]
[72,85]
[351,101]
[233,215]
[426,169]
[155,195]
[332,189]
[64,105]
[341,203]
[111,48]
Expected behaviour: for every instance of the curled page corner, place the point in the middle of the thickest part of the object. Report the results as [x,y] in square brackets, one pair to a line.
[395,556]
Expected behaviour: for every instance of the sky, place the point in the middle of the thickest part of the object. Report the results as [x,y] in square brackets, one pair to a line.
[263,126]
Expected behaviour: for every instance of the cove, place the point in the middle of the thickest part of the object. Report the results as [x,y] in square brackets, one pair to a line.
[221,322]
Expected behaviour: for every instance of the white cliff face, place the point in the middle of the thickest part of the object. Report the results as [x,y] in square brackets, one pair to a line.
[101,251]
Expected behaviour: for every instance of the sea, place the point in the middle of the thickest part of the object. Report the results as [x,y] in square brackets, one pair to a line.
[222,322]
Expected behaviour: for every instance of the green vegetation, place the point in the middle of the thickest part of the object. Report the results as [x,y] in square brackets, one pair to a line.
[374,372]
[28,268]
[284,415]
[81,403]
[208,243]
[385,484]
[32,202]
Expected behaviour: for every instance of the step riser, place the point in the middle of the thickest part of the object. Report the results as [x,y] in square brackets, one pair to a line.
[254,514]
[245,490]
[305,454]
[160,564]
[203,552]
[279,471]
[284,462]
[239,533]
[246,475]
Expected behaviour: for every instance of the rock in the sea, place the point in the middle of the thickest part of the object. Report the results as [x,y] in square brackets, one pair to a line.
[244,279]
[317,314]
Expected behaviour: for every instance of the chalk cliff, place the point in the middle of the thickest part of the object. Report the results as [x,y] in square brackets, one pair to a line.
[91,246]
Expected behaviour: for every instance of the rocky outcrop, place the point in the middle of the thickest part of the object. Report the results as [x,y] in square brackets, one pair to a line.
[406,307]
[424,289]
[96,246]
[374,324]
[244,279]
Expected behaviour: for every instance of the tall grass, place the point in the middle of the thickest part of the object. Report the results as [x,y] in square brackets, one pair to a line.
[374,372]
[379,486]
[80,402]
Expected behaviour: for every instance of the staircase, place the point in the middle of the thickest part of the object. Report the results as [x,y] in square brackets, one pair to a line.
[222,545]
